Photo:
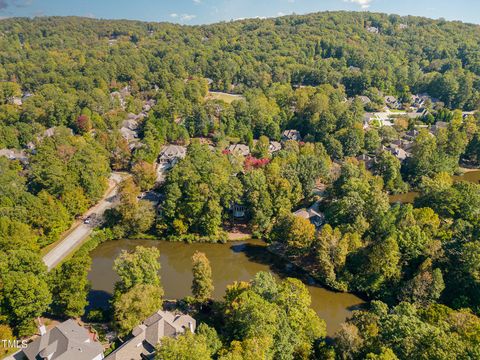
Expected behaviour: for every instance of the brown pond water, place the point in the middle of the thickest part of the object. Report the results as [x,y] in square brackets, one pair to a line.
[234,261]
[409,197]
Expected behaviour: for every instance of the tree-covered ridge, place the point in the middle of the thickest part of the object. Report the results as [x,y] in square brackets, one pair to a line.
[436,56]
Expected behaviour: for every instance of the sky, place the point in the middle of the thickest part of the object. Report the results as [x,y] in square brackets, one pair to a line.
[210,11]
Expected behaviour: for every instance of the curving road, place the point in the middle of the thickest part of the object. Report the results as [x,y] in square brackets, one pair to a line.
[81,231]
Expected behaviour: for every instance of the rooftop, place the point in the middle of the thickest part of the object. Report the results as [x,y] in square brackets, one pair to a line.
[66,341]
[148,334]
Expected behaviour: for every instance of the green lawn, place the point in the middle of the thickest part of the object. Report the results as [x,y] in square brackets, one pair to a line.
[228,98]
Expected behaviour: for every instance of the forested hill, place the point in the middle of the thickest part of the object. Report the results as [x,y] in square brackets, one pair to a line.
[295,159]
[406,55]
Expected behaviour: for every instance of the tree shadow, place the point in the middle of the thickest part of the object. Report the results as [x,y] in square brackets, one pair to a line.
[259,254]
[283,268]
[98,299]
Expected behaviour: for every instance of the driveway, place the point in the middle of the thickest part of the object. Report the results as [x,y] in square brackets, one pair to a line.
[81,231]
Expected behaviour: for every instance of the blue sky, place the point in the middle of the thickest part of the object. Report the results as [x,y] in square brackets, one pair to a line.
[208,11]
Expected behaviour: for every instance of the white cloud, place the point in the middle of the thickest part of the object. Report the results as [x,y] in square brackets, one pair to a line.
[183,17]
[253,17]
[364,4]
[197,1]
[187,17]
[280,13]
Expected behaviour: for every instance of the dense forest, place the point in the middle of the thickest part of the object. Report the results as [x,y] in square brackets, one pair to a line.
[68,85]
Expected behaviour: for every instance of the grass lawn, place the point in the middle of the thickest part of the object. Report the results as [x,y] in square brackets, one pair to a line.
[228,98]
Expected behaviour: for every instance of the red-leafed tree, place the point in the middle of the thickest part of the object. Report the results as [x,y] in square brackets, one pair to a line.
[83,124]
[254,163]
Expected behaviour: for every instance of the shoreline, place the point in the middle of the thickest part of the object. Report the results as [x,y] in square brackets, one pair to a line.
[465,170]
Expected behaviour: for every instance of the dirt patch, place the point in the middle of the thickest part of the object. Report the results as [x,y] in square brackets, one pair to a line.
[238,231]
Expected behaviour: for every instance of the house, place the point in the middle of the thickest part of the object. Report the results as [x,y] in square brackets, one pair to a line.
[411,134]
[26,96]
[238,210]
[130,124]
[367,160]
[373,29]
[364,99]
[132,116]
[466,114]
[16,101]
[49,132]
[420,101]
[239,149]
[14,154]
[116,95]
[147,335]
[407,145]
[148,105]
[171,154]
[404,144]
[398,152]
[66,341]
[274,146]
[419,113]
[423,100]
[438,125]
[128,134]
[291,135]
[121,95]
[31,146]
[312,214]
[52,131]
[392,102]
[367,117]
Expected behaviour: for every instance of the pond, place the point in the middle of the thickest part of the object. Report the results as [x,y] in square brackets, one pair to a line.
[234,261]
[409,197]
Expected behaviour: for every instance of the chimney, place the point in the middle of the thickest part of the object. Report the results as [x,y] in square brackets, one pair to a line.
[190,326]
[41,328]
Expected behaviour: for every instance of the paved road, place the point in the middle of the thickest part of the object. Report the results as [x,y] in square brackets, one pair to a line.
[75,237]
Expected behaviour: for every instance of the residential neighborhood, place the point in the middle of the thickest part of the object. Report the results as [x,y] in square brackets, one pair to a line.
[69,340]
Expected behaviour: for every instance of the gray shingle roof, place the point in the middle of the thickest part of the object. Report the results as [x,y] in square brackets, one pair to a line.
[147,335]
[67,341]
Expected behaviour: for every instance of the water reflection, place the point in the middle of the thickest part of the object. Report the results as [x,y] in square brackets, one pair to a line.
[230,262]
[409,197]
